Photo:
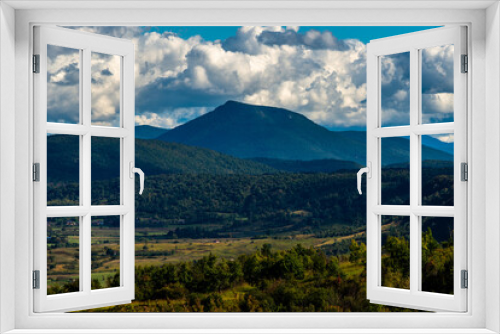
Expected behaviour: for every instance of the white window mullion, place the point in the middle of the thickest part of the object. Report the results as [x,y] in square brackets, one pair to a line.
[392,131]
[86,167]
[86,255]
[414,171]
[81,219]
[128,181]
[373,188]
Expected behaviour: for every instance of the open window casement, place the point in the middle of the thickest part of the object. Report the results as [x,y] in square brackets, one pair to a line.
[411,80]
[74,135]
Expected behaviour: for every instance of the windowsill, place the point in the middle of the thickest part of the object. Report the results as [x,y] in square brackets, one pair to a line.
[254,331]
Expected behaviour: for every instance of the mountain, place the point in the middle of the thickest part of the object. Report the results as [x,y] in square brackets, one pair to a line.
[310,166]
[250,131]
[148,132]
[152,156]
[428,142]
[158,157]
[438,144]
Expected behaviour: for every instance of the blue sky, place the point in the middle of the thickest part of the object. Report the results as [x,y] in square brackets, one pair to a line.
[320,72]
[362,33]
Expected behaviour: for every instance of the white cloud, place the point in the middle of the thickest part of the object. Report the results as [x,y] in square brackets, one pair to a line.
[169,118]
[312,73]
[151,118]
[105,89]
[437,107]
[449,138]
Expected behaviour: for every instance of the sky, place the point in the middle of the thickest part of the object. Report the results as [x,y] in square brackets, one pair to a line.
[185,72]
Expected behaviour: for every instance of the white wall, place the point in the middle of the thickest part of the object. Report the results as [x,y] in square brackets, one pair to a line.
[7,161]
[492,164]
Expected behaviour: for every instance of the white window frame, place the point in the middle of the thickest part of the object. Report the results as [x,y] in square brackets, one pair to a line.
[86,43]
[484,103]
[413,44]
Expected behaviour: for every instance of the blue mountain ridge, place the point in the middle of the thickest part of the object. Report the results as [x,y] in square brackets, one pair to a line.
[250,131]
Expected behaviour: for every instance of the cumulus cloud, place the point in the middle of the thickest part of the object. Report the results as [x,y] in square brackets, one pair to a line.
[312,39]
[105,89]
[169,119]
[395,90]
[63,81]
[437,69]
[448,138]
[325,84]
[312,73]
[437,107]
[437,84]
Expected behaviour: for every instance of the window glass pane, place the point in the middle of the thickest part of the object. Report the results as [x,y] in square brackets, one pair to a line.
[63,84]
[105,171]
[395,89]
[396,252]
[105,252]
[395,171]
[437,254]
[63,255]
[105,89]
[437,84]
[437,170]
[63,170]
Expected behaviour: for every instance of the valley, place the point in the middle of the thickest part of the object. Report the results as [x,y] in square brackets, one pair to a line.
[260,192]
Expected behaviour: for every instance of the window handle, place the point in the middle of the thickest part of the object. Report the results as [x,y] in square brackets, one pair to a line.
[368,171]
[141,176]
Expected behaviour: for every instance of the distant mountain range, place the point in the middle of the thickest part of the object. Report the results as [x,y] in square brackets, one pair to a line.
[154,157]
[238,138]
[148,132]
[250,131]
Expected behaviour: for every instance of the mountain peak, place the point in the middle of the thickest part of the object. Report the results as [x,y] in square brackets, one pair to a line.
[249,131]
[232,102]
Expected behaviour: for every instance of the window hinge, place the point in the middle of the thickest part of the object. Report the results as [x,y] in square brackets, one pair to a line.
[465,64]
[465,279]
[36,172]
[464,170]
[36,63]
[36,279]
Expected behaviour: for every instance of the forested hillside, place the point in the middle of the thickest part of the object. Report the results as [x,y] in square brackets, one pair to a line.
[296,280]
[217,206]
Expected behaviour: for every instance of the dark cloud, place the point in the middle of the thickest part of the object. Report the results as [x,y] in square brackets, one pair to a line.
[312,39]
[395,90]
[66,76]
[165,93]
[106,72]
[54,51]
[437,70]
[245,41]
[119,32]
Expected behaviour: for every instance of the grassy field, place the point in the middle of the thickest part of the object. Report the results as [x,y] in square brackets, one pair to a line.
[106,260]
[193,249]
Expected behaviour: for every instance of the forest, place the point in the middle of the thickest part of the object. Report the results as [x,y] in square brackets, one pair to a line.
[299,279]
[230,206]
[241,236]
